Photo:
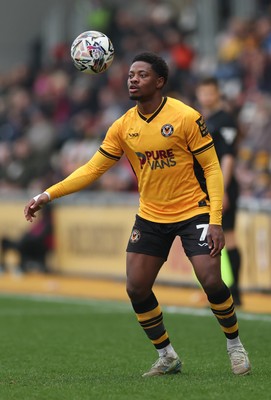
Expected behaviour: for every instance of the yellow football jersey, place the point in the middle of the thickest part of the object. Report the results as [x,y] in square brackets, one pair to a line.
[173,157]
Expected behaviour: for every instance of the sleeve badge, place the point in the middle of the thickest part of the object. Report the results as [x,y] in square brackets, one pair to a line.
[202,126]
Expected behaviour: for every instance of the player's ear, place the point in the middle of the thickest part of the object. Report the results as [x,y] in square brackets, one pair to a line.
[160,82]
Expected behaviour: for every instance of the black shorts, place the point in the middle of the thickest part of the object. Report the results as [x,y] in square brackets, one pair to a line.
[155,239]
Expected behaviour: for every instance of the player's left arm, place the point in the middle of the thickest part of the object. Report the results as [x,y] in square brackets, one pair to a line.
[214,181]
[201,144]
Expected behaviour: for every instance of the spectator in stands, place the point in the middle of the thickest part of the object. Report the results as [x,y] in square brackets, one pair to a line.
[253,166]
[60,94]
[33,246]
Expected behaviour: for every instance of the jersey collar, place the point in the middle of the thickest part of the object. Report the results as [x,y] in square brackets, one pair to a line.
[156,112]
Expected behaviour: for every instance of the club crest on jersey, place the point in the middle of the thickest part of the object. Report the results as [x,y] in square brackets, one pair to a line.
[135,236]
[167,130]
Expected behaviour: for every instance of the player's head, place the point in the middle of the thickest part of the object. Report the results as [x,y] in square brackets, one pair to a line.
[208,92]
[148,73]
[157,63]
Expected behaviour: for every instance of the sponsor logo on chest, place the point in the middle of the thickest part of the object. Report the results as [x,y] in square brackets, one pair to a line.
[157,159]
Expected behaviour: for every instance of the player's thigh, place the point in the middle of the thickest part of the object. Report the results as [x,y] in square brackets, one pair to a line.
[194,239]
[147,250]
[208,271]
[142,270]
[193,234]
[151,238]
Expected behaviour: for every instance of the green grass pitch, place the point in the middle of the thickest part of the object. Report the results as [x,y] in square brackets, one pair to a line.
[70,349]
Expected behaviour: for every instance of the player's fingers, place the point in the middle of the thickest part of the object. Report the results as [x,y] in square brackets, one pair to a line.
[29,214]
[210,240]
[214,252]
[30,209]
[217,247]
[35,205]
[214,248]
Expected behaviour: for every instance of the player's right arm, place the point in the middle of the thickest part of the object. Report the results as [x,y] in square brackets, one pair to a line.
[84,176]
[107,156]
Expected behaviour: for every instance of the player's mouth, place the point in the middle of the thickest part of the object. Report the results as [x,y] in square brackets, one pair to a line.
[133,89]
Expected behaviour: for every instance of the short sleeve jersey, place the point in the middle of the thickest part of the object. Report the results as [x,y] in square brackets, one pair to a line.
[161,149]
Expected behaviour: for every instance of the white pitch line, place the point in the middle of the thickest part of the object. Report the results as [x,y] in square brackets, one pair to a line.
[105,306]
[205,312]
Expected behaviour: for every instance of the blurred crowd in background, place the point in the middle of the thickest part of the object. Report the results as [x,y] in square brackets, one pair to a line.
[53,118]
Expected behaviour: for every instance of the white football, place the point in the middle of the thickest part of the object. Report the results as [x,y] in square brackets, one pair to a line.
[92,52]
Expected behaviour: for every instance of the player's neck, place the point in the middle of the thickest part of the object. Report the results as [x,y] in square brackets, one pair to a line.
[149,106]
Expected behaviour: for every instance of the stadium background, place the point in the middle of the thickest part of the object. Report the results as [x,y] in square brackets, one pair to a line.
[52,119]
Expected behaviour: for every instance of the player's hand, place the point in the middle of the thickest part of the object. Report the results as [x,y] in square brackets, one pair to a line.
[35,205]
[216,239]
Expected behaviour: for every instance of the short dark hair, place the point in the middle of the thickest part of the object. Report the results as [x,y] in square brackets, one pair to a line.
[157,63]
[210,80]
